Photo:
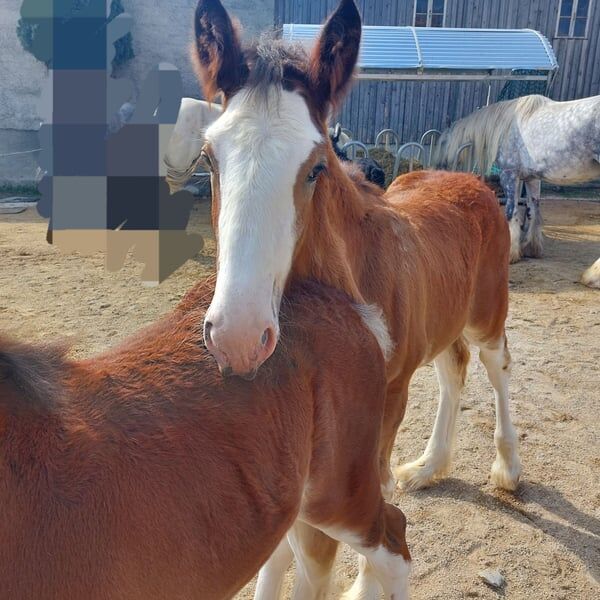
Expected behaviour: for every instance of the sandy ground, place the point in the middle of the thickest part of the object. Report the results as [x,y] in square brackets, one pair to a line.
[545,539]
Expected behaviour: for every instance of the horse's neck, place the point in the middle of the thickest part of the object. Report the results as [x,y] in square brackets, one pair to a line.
[330,248]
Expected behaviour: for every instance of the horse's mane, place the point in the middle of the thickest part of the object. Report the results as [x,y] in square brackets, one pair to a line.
[485,129]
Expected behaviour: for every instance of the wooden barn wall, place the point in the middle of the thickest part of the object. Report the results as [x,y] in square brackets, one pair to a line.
[412,107]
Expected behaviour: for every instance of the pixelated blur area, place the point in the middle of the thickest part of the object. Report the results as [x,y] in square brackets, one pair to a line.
[104,186]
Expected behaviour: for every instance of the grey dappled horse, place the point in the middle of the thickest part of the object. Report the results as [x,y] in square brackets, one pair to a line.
[531,139]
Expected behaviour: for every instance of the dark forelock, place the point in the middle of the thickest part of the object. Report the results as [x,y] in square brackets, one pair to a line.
[272,61]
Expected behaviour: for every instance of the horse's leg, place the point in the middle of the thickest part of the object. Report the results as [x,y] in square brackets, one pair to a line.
[451,368]
[384,560]
[512,191]
[395,406]
[533,245]
[506,469]
[315,554]
[366,585]
[270,577]
[591,277]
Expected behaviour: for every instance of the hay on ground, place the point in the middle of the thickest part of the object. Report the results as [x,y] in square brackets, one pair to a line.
[387,159]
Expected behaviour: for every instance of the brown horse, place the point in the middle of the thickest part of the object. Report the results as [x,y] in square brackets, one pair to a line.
[142,474]
[431,254]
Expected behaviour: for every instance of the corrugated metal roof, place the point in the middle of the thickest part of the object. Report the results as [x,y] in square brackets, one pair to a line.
[445,49]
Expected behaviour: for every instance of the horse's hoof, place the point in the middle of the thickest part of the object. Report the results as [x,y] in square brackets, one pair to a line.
[533,250]
[515,255]
[530,252]
[417,475]
[505,476]
[591,277]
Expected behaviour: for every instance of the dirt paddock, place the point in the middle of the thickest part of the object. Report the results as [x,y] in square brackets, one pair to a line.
[545,539]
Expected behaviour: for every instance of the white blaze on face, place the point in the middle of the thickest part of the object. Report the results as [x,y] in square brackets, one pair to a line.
[259,145]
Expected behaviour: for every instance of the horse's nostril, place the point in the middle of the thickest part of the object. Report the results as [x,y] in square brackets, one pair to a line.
[268,341]
[207,329]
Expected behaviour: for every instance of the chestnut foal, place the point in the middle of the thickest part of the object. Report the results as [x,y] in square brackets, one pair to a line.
[143,474]
[430,254]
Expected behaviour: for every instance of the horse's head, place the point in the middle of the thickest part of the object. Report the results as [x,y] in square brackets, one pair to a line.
[267,154]
[439,157]
[338,139]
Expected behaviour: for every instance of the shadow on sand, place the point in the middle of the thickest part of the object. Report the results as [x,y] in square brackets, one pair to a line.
[578,532]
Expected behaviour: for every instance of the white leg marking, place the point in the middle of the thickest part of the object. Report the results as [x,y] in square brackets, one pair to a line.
[514,226]
[366,586]
[533,245]
[506,469]
[378,569]
[312,578]
[270,577]
[435,461]
[392,571]
[591,277]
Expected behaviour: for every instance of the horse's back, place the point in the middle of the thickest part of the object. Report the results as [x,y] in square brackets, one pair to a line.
[454,239]
[444,198]
[559,143]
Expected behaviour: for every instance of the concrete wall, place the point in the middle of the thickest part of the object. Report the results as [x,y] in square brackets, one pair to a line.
[20,73]
[21,76]
[161,32]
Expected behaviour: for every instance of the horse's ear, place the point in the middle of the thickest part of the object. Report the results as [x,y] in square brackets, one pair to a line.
[335,54]
[337,132]
[217,52]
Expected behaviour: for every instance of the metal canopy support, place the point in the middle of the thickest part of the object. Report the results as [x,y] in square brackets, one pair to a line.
[421,65]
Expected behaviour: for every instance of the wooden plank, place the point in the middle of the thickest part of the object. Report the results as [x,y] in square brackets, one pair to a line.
[591,76]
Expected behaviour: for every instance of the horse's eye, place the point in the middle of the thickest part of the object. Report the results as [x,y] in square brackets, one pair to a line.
[314,174]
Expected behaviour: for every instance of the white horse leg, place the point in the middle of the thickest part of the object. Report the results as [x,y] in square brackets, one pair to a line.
[514,226]
[270,577]
[591,277]
[451,368]
[379,567]
[506,469]
[366,586]
[511,185]
[315,554]
[533,244]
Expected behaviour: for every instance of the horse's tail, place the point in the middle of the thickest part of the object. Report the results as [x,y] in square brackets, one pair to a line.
[31,373]
[485,129]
